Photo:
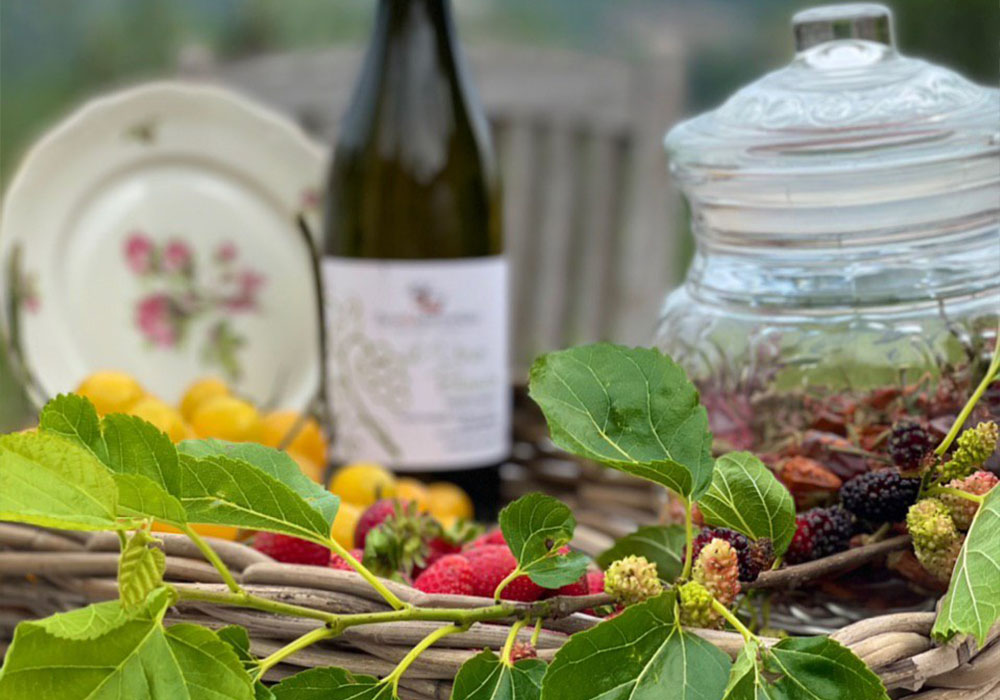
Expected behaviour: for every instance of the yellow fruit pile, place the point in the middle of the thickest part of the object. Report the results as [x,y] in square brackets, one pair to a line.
[361,484]
[208,409]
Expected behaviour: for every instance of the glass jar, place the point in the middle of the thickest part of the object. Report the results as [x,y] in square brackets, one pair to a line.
[846,210]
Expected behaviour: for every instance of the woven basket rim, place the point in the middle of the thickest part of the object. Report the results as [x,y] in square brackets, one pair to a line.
[40,566]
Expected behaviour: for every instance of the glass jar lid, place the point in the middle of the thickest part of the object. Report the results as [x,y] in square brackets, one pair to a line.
[847,101]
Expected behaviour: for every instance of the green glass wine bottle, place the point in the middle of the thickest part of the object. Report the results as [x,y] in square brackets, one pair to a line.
[414,273]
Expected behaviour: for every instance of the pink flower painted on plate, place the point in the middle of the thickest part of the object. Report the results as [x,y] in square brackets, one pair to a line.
[183,293]
[155,318]
[177,256]
[139,253]
[249,284]
[226,252]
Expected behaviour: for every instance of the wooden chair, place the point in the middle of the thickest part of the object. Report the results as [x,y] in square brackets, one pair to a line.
[592,223]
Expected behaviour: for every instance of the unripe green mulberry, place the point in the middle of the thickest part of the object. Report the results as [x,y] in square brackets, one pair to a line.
[632,579]
[936,540]
[717,568]
[964,510]
[696,606]
[975,446]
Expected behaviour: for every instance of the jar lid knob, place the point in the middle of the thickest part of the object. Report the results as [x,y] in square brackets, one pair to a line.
[863,20]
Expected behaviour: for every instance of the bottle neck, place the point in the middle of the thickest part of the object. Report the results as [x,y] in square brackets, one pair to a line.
[410,33]
[394,15]
[414,94]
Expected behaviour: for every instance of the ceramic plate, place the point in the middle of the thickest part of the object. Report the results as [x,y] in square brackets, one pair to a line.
[153,231]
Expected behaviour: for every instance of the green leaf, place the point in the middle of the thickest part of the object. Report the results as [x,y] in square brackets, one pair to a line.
[273,462]
[745,496]
[535,527]
[745,679]
[484,677]
[557,570]
[140,496]
[134,660]
[331,683]
[76,419]
[140,569]
[238,639]
[50,481]
[210,667]
[662,545]
[143,459]
[138,447]
[632,409]
[85,623]
[226,491]
[972,604]
[642,653]
[818,668]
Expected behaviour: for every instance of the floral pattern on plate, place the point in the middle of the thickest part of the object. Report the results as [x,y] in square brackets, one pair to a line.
[179,290]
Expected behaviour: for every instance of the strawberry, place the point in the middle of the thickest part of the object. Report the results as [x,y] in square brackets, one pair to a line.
[375,515]
[491,537]
[406,541]
[595,584]
[578,587]
[451,573]
[436,549]
[290,550]
[491,564]
[338,562]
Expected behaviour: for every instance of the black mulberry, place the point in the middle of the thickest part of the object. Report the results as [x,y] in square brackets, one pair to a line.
[881,496]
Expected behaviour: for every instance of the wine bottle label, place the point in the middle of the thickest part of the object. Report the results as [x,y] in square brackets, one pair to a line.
[418,361]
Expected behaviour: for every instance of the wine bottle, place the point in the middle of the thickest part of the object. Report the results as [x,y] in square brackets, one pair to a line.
[414,274]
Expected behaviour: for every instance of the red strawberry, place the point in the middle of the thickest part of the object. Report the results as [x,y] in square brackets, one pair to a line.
[290,550]
[595,584]
[578,587]
[338,562]
[491,537]
[374,516]
[491,564]
[451,573]
[436,549]
[595,581]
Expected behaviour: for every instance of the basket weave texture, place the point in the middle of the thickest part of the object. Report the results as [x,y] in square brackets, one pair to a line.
[45,571]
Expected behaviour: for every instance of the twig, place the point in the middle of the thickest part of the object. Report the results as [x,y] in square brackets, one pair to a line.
[858,452]
[795,576]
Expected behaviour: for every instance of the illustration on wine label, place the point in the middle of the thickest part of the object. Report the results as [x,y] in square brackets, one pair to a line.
[419,360]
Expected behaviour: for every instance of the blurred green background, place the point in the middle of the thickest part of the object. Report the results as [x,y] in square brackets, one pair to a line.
[55,53]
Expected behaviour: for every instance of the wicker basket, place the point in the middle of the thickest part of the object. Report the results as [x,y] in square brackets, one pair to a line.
[44,571]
